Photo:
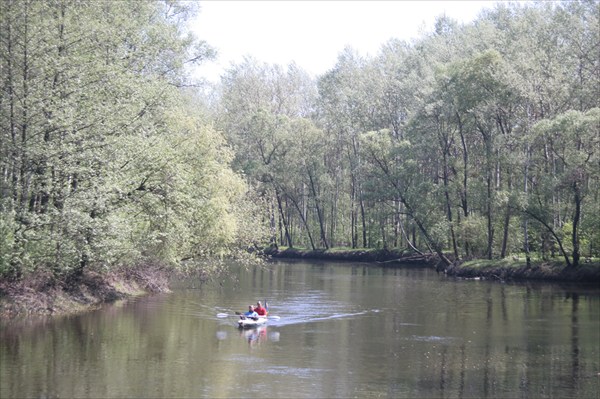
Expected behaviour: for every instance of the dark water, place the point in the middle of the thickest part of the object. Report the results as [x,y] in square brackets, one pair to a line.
[344,331]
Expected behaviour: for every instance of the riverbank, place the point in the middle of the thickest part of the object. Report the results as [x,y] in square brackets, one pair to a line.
[380,256]
[497,269]
[517,269]
[42,295]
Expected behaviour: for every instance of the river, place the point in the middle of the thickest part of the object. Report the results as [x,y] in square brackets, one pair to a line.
[342,330]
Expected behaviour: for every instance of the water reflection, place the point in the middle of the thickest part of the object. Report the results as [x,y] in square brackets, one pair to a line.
[574,339]
[254,336]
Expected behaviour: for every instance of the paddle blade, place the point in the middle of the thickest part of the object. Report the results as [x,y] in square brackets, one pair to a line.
[274,317]
[222,315]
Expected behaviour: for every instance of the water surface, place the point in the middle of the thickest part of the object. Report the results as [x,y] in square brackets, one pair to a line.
[344,330]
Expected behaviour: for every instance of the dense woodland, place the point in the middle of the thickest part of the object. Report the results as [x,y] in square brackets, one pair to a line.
[471,141]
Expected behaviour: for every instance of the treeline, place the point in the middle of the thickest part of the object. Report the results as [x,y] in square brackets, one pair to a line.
[478,140]
[472,141]
[104,158]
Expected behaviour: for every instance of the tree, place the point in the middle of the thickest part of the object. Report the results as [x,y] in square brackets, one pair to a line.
[263,103]
[395,169]
[573,138]
[95,137]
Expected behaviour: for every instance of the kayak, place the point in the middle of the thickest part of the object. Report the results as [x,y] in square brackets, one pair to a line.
[249,323]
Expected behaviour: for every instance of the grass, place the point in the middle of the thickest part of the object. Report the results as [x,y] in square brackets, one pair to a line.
[514,262]
[516,268]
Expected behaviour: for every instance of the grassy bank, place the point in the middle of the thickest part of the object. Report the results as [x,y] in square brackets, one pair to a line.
[42,294]
[517,269]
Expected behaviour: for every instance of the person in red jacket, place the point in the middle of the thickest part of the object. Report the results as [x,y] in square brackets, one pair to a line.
[260,310]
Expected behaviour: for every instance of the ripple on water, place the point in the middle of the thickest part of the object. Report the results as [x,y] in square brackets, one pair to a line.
[318,316]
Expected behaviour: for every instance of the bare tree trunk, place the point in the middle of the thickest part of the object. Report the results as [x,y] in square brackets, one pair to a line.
[364,220]
[506,226]
[397,237]
[396,185]
[319,210]
[444,143]
[556,237]
[353,213]
[465,178]
[304,222]
[283,219]
[408,241]
[487,138]
[576,218]
[525,217]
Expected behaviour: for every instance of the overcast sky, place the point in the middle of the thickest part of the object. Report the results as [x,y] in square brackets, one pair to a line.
[313,33]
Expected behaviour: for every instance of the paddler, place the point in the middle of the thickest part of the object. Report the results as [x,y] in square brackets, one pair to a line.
[260,310]
[250,314]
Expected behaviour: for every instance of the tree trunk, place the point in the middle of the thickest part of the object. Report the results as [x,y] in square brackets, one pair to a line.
[364,220]
[448,203]
[465,178]
[506,222]
[487,138]
[556,237]
[304,222]
[353,213]
[525,219]
[319,210]
[283,219]
[396,185]
[576,218]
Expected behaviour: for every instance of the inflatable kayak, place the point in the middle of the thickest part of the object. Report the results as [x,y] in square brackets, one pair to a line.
[248,323]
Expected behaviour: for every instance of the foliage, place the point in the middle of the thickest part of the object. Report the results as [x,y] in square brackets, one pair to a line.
[479,139]
[104,162]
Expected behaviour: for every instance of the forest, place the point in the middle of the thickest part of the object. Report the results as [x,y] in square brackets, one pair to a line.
[472,141]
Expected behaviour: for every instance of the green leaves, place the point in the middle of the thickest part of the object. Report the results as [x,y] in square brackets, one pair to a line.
[442,142]
[462,135]
[103,163]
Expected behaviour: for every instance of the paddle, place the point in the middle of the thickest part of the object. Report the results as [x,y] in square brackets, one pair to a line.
[270,316]
[222,315]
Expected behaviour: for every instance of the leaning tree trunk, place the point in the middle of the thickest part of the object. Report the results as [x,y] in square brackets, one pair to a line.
[304,222]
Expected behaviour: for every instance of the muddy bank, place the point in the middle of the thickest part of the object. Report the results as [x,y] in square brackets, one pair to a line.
[41,294]
[501,269]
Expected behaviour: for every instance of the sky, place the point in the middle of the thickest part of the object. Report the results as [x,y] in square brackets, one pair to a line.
[313,33]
